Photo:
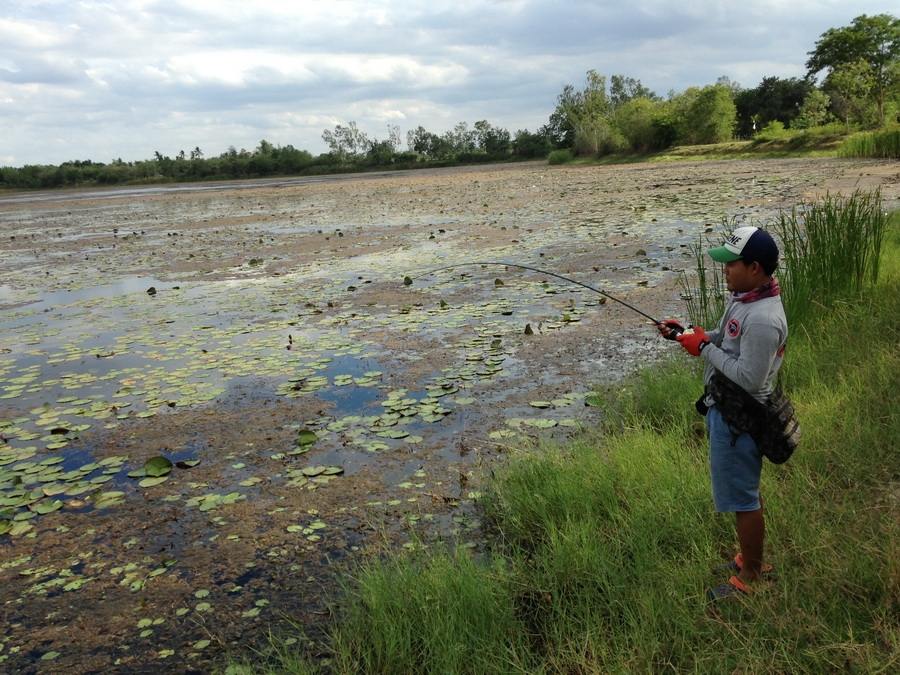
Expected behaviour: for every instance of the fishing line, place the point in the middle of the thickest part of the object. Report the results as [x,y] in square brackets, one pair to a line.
[539,271]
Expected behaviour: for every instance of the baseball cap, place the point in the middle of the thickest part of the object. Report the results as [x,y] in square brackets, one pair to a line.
[749,244]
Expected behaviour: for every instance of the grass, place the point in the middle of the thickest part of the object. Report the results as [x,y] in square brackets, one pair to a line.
[884,144]
[821,141]
[603,547]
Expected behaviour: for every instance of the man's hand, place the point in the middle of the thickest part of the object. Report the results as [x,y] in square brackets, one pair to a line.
[693,340]
[669,328]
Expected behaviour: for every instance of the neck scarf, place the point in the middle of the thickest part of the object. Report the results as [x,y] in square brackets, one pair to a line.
[768,290]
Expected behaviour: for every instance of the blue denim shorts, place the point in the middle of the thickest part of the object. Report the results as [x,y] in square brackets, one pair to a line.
[735,464]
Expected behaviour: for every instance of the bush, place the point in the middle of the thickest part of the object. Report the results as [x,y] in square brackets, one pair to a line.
[773,131]
[563,156]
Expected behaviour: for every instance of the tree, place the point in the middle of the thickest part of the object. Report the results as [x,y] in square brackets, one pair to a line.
[873,39]
[774,98]
[346,141]
[623,89]
[642,123]
[527,144]
[814,110]
[196,153]
[851,88]
[706,115]
[491,140]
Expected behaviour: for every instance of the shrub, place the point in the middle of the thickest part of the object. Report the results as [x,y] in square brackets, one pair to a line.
[563,156]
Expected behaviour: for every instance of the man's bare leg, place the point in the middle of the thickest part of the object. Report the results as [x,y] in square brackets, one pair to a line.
[751,533]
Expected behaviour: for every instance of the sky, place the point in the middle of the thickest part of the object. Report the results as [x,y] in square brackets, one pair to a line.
[106,79]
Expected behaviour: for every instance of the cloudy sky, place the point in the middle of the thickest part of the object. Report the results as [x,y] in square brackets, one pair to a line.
[100,79]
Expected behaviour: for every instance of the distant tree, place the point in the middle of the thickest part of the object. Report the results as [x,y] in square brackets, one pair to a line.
[644,124]
[380,153]
[491,140]
[460,139]
[264,148]
[873,39]
[180,156]
[706,115]
[774,98]
[527,144]
[395,139]
[346,141]
[418,139]
[588,113]
[623,89]
[196,153]
[850,86]
[560,130]
[813,111]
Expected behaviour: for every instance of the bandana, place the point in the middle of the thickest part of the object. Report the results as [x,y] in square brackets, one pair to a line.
[768,290]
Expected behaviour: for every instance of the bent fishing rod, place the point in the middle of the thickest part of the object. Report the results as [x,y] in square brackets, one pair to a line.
[408,281]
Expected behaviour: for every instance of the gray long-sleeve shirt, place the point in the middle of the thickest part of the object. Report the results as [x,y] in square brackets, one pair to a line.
[748,345]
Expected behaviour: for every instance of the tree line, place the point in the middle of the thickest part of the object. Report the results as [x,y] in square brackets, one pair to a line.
[860,90]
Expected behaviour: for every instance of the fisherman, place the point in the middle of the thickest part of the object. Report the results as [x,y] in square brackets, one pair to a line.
[747,348]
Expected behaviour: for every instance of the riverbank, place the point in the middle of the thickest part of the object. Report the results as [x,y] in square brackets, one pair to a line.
[603,546]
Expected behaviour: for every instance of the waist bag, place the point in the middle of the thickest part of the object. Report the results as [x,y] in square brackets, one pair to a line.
[771,424]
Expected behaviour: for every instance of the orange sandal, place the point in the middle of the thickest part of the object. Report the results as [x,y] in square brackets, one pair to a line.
[733,587]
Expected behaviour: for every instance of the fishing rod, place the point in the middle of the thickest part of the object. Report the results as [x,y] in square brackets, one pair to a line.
[408,281]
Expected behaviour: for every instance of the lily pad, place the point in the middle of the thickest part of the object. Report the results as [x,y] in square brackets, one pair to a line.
[306,437]
[157,466]
[152,481]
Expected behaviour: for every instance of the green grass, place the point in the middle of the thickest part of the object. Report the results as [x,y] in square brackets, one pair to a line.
[884,144]
[821,141]
[603,547]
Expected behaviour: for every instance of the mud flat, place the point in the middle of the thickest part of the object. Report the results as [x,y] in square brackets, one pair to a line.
[313,407]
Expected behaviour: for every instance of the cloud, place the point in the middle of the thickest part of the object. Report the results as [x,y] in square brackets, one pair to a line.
[101,79]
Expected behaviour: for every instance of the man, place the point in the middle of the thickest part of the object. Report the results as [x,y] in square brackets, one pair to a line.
[747,347]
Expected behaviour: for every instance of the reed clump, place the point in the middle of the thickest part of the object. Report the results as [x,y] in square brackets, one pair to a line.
[884,144]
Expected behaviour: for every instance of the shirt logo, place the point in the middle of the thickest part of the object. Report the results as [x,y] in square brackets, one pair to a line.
[733,328]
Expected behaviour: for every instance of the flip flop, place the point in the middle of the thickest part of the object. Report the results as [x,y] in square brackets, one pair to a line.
[734,587]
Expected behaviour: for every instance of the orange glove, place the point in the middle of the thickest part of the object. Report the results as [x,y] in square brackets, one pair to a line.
[693,340]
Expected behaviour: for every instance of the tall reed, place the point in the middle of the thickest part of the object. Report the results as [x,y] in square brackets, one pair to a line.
[704,293]
[830,250]
[881,144]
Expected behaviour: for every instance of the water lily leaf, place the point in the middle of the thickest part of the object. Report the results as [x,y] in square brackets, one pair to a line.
[313,470]
[157,466]
[201,644]
[593,400]
[407,281]
[45,507]
[306,437]
[186,463]
[49,656]
[540,404]
[152,481]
